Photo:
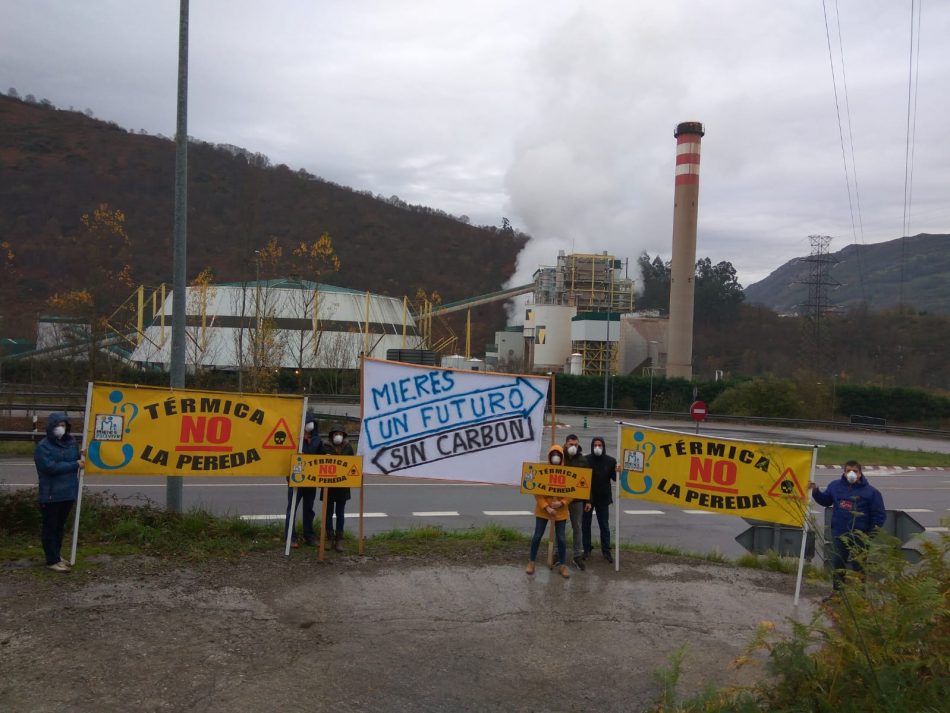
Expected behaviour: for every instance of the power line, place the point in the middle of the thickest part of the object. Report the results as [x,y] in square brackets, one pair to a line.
[908,170]
[844,156]
[854,163]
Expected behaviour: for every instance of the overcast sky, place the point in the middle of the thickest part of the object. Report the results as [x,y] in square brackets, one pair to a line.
[555,113]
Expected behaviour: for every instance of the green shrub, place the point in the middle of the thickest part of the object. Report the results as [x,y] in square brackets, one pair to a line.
[769,397]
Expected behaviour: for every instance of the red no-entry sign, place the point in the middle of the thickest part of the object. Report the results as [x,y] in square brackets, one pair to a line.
[698,410]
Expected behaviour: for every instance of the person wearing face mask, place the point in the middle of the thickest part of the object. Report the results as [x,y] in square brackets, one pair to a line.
[574,457]
[58,460]
[857,507]
[337,497]
[312,445]
[603,470]
[547,508]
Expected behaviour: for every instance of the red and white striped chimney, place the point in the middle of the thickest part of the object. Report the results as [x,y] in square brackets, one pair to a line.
[679,357]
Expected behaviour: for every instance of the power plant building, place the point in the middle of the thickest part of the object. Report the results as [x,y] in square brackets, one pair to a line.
[285,323]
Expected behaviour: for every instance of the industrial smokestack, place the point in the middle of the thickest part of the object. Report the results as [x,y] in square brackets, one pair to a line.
[679,357]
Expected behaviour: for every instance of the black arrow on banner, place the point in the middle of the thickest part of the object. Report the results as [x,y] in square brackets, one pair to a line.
[453,443]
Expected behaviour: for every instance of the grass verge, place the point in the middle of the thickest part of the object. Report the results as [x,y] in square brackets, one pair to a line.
[17,448]
[837,454]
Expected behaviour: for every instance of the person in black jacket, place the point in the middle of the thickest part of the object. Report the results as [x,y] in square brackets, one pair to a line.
[336,498]
[58,460]
[312,445]
[603,470]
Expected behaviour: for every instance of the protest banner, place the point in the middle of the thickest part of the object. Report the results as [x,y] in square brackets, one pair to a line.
[449,425]
[140,430]
[558,480]
[762,481]
[327,471]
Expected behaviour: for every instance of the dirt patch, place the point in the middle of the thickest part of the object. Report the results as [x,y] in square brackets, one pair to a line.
[373,634]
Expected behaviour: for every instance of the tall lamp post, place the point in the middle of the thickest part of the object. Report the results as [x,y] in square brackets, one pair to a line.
[652,370]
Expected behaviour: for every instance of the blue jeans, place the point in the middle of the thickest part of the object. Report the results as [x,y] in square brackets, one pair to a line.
[54,517]
[307,495]
[540,525]
[603,522]
[339,505]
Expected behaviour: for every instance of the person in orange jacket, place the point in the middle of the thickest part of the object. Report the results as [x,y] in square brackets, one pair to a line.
[547,508]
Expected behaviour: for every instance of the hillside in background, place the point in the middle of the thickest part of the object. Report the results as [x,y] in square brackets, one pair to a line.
[57,165]
[870,273]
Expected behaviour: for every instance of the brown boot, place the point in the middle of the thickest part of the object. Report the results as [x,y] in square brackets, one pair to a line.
[530,568]
[564,571]
[338,542]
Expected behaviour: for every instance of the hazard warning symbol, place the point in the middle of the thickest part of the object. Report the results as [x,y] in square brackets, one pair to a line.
[280,438]
[787,486]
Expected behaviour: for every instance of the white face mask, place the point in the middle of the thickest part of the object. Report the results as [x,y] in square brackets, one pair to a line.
[851,476]
[556,460]
[572,450]
[59,431]
[309,427]
[598,451]
[337,439]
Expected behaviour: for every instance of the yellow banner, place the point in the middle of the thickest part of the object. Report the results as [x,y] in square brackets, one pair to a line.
[327,471]
[559,480]
[136,430]
[761,481]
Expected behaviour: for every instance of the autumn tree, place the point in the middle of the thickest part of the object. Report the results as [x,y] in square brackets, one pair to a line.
[99,277]
[202,312]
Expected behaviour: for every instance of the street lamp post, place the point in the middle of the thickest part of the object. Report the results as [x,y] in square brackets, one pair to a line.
[652,371]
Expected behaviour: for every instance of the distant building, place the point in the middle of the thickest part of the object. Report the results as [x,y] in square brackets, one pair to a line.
[289,323]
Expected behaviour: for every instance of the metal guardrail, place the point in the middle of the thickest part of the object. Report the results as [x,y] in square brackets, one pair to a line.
[79,397]
[760,420]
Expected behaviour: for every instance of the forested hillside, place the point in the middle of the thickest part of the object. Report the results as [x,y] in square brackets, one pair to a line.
[871,274]
[56,166]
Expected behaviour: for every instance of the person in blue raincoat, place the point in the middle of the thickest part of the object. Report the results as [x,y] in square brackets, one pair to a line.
[857,510]
[58,459]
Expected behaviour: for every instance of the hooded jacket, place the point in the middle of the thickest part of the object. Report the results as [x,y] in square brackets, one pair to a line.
[856,508]
[57,463]
[344,449]
[542,501]
[604,469]
[312,444]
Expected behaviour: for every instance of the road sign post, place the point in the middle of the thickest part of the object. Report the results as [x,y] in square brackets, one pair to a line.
[698,411]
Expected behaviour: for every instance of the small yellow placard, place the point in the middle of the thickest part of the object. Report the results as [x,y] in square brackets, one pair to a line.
[560,480]
[327,471]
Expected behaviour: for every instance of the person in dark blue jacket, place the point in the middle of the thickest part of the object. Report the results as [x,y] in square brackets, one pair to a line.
[858,507]
[312,445]
[58,460]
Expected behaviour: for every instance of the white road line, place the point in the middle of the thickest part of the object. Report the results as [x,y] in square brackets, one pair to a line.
[916,510]
[700,512]
[263,517]
[505,513]
[937,529]
[644,512]
[371,514]
[436,513]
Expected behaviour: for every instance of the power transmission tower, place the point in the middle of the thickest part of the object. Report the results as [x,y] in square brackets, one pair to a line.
[817,352]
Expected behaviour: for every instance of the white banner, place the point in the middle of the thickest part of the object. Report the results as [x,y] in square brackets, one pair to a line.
[426,422]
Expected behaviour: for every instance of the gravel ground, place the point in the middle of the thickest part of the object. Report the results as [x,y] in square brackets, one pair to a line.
[442,633]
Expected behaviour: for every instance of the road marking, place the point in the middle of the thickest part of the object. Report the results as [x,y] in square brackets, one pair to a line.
[937,529]
[644,512]
[263,517]
[505,513]
[916,510]
[436,513]
[700,512]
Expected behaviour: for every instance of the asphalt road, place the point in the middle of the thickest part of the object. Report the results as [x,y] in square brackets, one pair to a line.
[403,503]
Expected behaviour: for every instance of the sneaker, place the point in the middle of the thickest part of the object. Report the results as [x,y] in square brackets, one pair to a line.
[66,563]
[530,568]
[58,567]
[609,557]
[564,571]
[295,545]
[579,563]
